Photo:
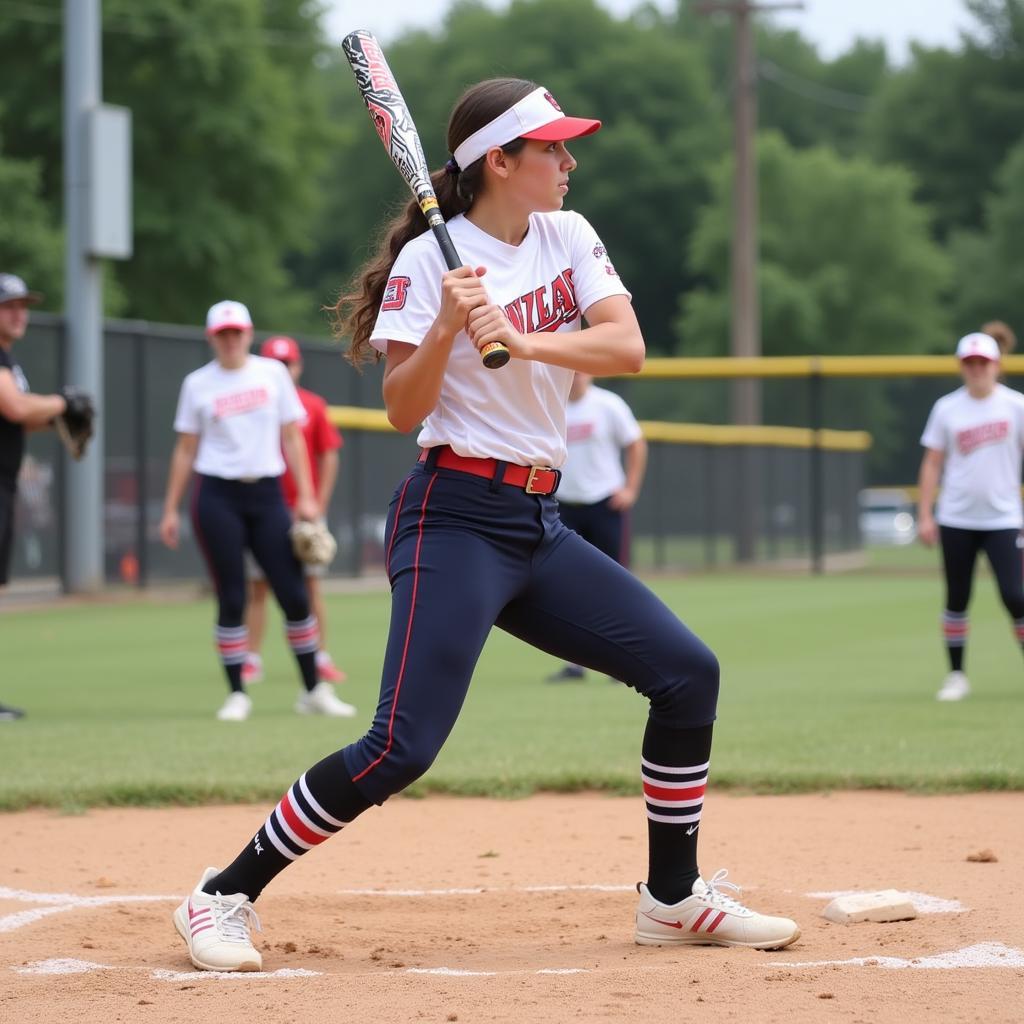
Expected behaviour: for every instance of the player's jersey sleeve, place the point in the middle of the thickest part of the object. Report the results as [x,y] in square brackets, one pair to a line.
[412,295]
[593,273]
[625,428]
[289,406]
[187,419]
[936,430]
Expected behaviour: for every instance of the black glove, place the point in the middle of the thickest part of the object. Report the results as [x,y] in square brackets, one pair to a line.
[74,425]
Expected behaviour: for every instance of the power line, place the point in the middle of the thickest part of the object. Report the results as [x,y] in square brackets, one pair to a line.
[817,93]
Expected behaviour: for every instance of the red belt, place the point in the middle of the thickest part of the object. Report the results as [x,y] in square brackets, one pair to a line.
[532,479]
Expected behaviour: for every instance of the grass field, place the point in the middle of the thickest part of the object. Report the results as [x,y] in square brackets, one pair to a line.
[827,683]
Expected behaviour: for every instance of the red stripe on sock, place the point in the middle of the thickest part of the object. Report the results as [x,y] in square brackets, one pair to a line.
[296,824]
[661,793]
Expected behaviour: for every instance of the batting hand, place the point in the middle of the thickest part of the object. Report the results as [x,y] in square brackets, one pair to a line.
[488,324]
[170,529]
[461,292]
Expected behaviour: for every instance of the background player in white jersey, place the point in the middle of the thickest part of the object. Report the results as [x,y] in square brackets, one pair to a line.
[595,493]
[974,440]
[235,416]
[474,538]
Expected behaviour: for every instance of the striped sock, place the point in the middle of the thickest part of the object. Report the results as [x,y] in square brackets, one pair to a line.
[954,632]
[232,644]
[304,640]
[320,804]
[674,769]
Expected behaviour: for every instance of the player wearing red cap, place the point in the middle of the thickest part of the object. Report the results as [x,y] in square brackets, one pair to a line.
[322,442]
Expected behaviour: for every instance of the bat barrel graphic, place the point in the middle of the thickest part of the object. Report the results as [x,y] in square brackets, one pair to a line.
[390,116]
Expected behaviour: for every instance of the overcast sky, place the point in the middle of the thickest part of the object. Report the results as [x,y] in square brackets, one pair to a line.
[831,24]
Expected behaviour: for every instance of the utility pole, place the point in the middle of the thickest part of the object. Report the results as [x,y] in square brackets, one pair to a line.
[97,217]
[746,307]
[745,334]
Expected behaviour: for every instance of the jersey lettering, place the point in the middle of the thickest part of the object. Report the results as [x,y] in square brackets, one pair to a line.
[395,294]
[970,440]
[240,402]
[545,308]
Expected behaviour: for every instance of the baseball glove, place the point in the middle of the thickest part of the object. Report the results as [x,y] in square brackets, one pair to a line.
[313,543]
[74,426]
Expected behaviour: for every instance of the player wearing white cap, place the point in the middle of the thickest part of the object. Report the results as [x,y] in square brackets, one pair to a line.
[474,538]
[974,441]
[235,417]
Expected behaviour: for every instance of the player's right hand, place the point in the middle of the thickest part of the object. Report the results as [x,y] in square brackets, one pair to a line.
[170,529]
[461,292]
[927,531]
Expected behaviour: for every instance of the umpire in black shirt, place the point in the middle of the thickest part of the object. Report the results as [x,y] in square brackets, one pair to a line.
[20,410]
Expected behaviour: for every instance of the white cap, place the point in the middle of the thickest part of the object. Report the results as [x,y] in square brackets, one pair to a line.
[978,345]
[223,315]
[536,116]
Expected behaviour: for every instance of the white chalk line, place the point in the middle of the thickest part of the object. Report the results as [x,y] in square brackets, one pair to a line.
[982,954]
[64,965]
[482,890]
[59,903]
[459,972]
[923,903]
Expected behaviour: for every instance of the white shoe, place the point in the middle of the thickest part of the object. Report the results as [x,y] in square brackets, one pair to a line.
[954,687]
[236,708]
[322,701]
[216,929]
[709,918]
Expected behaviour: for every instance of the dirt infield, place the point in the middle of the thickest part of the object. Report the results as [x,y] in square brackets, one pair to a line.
[519,911]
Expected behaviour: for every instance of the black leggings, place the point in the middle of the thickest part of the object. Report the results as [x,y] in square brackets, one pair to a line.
[960,550]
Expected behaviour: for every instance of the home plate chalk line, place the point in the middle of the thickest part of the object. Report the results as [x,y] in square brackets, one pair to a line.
[982,954]
[60,903]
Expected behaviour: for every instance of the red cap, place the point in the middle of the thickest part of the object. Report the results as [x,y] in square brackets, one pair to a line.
[281,348]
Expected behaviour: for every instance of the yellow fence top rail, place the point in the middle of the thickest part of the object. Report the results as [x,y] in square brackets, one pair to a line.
[806,366]
[351,417]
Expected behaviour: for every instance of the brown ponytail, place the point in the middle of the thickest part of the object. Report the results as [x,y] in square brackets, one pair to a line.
[1003,335]
[355,313]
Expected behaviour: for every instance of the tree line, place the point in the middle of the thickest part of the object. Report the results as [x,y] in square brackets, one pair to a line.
[892,197]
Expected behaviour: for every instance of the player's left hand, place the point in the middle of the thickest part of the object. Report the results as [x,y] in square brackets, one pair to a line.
[623,499]
[308,509]
[487,324]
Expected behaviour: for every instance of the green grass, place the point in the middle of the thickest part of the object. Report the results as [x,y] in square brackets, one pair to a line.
[827,683]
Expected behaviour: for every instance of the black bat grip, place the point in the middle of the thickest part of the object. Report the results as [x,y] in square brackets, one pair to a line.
[494,355]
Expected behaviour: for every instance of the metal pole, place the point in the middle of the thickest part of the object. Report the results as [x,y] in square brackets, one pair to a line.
[817,476]
[83,312]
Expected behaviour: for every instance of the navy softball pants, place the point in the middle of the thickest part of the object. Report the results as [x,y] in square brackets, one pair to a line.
[465,554]
[231,515]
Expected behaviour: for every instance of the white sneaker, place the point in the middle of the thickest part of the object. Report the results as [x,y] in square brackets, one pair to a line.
[216,929]
[236,708]
[322,701]
[954,687]
[709,918]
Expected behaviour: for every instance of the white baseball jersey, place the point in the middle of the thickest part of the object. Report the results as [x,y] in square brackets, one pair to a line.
[545,283]
[983,440]
[597,427]
[238,415]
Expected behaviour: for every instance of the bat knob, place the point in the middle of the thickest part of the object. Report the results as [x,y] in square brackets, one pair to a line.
[495,355]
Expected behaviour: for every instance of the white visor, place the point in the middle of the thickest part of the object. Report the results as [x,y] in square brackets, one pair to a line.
[536,116]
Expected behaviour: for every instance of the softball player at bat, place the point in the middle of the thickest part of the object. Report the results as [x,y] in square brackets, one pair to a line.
[595,494]
[234,417]
[474,538]
[974,440]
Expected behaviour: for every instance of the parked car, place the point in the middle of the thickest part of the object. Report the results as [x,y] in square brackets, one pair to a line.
[887,516]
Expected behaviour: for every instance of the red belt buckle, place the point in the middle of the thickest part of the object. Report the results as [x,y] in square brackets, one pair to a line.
[532,477]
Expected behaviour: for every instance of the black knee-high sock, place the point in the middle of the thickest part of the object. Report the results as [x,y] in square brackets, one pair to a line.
[954,632]
[319,804]
[304,640]
[675,774]
[232,642]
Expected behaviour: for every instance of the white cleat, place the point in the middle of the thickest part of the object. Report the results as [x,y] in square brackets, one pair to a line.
[709,918]
[216,929]
[236,708]
[321,700]
[954,687]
